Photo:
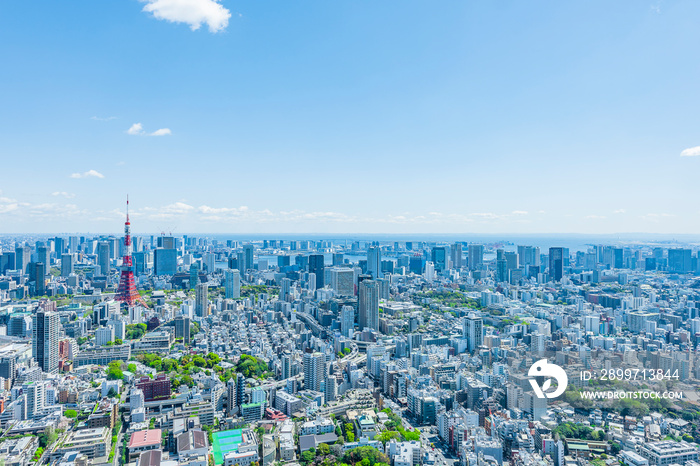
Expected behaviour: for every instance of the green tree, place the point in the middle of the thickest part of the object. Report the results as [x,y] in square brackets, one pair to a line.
[70,413]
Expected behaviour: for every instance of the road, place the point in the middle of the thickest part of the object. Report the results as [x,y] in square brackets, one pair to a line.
[428,436]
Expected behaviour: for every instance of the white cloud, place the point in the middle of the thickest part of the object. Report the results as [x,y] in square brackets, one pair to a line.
[191,12]
[691,152]
[135,130]
[64,194]
[162,132]
[520,212]
[595,217]
[109,118]
[619,211]
[88,174]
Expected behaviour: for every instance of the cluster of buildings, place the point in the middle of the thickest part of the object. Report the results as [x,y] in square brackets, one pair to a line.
[329,335]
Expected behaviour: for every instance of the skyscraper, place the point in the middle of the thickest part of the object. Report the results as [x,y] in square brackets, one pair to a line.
[38,275]
[347,320]
[182,328]
[473,332]
[456,255]
[556,263]
[45,330]
[368,303]
[374,262]
[233,284]
[476,256]
[247,257]
[66,264]
[165,261]
[439,257]
[314,370]
[201,303]
[23,255]
[317,267]
[43,256]
[103,258]
[343,281]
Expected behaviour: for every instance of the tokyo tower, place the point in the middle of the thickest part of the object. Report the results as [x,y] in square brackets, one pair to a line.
[127,292]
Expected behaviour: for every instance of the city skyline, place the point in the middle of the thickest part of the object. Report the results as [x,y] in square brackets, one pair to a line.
[340,118]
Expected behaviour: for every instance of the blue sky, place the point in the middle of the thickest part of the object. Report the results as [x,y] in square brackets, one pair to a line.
[340,116]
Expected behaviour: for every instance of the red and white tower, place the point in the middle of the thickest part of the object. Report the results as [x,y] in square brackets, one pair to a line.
[127,292]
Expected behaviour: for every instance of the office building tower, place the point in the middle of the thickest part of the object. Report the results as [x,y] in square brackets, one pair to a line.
[331,389]
[285,289]
[473,332]
[342,281]
[104,335]
[201,303]
[231,397]
[317,267]
[475,256]
[286,365]
[59,246]
[512,260]
[456,255]
[182,329]
[45,331]
[247,257]
[38,276]
[680,260]
[7,262]
[439,257]
[165,262]
[314,370]
[240,389]
[167,242]
[43,255]
[415,264]
[233,284]
[66,264]
[368,304]
[501,270]
[347,321]
[23,255]
[556,263]
[283,261]
[374,262]
[35,397]
[337,258]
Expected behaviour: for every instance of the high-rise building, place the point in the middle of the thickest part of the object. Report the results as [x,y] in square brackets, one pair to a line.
[314,370]
[679,260]
[59,246]
[66,264]
[247,257]
[201,303]
[240,389]
[231,396]
[182,328]
[45,330]
[233,284]
[368,303]
[456,255]
[347,320]
[343,281]
[38,276]
[473,332]
[556,263]
[374,262]
[439,257]
[165,262]
[476,256]
[103,258]
[286,365]
[337,258]
[23,255]
[43,255]
[317,267]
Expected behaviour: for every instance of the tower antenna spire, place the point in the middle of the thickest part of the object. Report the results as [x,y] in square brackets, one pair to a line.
[127,292]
